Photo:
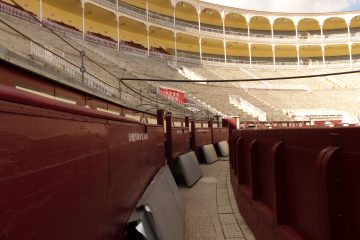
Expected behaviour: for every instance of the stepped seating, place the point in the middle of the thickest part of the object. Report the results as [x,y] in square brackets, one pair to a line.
[291,94]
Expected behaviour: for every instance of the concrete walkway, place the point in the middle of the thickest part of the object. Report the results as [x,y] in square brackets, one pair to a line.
[210,207]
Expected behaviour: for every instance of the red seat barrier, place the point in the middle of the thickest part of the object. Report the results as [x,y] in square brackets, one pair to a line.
[298,183]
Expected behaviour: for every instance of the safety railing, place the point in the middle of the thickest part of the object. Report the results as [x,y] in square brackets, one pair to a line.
[109,4]
[60,28]
[17,12]
[72,70]
[132,11]
[92,38]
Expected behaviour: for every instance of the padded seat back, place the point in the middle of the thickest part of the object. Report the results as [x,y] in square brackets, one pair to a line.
[190,168]
[209,153]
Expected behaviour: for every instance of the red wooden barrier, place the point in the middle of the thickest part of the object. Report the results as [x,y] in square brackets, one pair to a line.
[220,134]
[199,137]
[68,172]
[298,183]
[177,140]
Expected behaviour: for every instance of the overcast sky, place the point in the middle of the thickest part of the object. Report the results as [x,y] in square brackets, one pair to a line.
[292,5]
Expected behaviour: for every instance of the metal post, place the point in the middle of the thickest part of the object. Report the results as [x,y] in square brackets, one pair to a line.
[82,68]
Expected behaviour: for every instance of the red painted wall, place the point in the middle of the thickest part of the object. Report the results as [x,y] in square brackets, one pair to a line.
[67,172]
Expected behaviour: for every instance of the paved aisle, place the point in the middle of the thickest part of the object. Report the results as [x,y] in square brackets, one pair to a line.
[210,207]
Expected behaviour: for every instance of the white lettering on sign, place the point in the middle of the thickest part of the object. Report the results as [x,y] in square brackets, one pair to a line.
[204,130]
[137,137]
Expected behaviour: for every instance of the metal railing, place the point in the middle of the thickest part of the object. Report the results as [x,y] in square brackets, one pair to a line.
[60,28]
[106,3]
[17,12]
[73,70]
[99,40]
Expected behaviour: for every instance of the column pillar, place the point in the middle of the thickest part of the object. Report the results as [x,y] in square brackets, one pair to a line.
[349,43]
[175,45]
[200,50]
[322,45]
[147,11]
[174,27]
[224,35]
[118,31]
[322,34]
[118,24]
[323,54]
[250,55]
[273,53]
[225,52]
[41,11]
[147,27]
[199,26]
[297,44]
[350,55]
[298,54]
[83,19]
[148,39]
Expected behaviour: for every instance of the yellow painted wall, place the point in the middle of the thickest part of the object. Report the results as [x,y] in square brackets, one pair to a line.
[286,53]
[213,19]
[356,50]
[184,46]
[164,43]
[211,49]
[128,36]
[188,16]
[97,27]
[60,15]
[311,52]
[29,5]
[261,51]
[244,52]
[235,22]
[165,10]
[342,51]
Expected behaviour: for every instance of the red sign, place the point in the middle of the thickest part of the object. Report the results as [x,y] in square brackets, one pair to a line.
[174,95]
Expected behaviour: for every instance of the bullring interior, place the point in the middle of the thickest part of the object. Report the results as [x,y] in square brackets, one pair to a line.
[177,119]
